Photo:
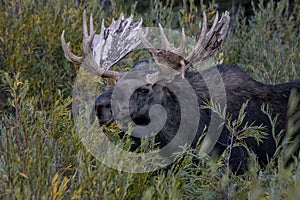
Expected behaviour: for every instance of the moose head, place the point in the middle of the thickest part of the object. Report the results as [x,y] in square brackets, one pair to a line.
[149,87]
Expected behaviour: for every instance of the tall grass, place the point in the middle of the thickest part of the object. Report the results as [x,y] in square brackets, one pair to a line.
[41,154]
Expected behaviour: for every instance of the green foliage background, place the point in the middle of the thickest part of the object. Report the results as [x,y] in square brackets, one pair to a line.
[41,156]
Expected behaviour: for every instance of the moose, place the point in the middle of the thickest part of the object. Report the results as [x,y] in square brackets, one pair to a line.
[174,69]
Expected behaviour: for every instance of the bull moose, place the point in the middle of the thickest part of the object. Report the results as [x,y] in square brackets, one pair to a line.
[101,52]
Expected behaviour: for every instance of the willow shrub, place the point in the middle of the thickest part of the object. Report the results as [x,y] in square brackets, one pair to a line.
[268,44]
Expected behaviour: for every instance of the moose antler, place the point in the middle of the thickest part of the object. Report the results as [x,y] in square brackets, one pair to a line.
[208,44]
[102,51]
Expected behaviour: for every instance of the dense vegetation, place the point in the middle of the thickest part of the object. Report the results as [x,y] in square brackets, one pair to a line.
[41,155]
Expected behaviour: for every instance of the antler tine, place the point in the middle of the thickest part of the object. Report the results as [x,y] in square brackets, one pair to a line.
[84,24]
[146,43]
[87,39]
[203,30]
[181,48]
[165,42]
[128,24]
[92,24]
[200,40]
[102,27]
[67,51]
[225,19]
[212,29]
[139,24]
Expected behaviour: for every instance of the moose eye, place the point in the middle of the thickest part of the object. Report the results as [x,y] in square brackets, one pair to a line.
[143,91]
